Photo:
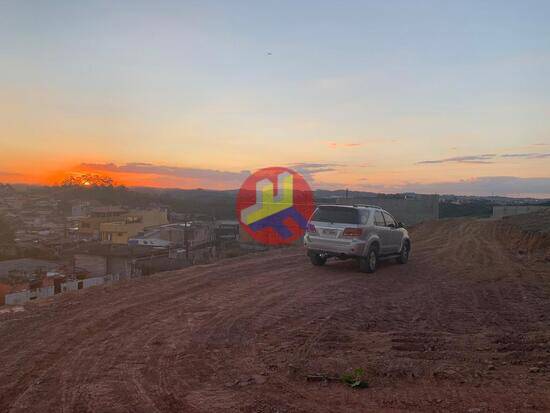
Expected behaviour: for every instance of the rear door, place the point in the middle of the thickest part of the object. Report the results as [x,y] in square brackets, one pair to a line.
[383,232]
[394,234]
[330,221]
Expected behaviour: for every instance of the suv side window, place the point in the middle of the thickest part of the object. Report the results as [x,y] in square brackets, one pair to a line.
[379,219]
[390,222]
[364,217]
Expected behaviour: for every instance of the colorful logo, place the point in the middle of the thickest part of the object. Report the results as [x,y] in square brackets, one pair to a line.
[274,205]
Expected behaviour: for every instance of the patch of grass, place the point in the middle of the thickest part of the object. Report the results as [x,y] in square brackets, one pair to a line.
[355,379]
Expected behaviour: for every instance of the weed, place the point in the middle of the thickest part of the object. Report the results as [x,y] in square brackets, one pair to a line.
[355,379]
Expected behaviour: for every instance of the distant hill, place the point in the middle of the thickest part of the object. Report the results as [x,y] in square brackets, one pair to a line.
[221,203]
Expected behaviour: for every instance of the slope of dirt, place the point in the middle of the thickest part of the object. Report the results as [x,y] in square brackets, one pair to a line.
[530,233]
[538,222]
[465,325]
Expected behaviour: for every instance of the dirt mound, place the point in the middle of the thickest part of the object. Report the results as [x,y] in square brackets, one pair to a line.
[536,222]
[529,233]
[464,326]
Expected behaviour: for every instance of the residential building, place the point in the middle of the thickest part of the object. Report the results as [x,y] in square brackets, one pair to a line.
[89,226]
[227,230]
[122,261]
[131,223]
[191,234]
[25,267]
[80,209]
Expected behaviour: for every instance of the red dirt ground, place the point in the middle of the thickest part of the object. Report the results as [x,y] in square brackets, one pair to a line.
[464,326]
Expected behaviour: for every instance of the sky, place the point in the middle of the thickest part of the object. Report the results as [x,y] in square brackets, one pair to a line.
[426,96]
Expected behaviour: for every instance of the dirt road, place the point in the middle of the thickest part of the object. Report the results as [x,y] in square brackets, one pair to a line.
[465,325]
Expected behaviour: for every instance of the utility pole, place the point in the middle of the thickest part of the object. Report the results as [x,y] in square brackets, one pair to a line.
[186,239]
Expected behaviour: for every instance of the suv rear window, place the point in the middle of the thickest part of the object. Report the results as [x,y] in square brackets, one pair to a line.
[341,215]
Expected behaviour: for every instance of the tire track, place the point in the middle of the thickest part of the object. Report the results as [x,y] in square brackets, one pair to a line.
[461,323]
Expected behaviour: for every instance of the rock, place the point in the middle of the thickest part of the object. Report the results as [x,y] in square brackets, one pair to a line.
[445,373]
[316,377]
[534,370]
[490,367]
[258,379]
[247,381]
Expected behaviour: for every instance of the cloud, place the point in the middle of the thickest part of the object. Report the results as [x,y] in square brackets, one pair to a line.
[148,174]
[315,167]
[487,185]
[173,174]
[6,173]
[334,145]
[530,155]
[541,144]
[487,158]
[484,158]
[309,170]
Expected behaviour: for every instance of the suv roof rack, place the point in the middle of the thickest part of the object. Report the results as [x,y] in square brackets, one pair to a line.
[367,206]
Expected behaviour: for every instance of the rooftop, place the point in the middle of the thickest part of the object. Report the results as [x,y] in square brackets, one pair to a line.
[103,209]
[26,264]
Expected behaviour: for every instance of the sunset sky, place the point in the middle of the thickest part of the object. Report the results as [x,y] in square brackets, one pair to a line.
[426,96]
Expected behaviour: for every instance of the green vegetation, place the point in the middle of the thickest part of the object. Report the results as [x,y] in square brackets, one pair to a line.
[479,209]
[355,379]
[106,195]
[220,204]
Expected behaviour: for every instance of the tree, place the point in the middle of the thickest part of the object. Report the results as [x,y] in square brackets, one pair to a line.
[88,180]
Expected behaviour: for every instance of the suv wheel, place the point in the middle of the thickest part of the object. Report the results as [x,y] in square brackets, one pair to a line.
[369,262]
[317,260]
[404,254]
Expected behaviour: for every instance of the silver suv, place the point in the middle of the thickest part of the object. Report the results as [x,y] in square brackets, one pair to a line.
[364,232]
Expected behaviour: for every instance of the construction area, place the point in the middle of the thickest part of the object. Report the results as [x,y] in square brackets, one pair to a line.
[464,326]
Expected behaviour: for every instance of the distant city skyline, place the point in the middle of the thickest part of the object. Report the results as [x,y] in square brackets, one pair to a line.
[425,96]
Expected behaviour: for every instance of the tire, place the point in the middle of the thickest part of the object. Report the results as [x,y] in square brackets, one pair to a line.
[369,262]
[317,260]
[404,254]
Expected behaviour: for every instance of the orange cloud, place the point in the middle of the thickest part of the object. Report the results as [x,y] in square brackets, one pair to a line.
[148,174]
[334,145]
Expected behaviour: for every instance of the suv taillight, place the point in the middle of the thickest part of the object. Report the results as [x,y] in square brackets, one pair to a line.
[311,228]
[352,232]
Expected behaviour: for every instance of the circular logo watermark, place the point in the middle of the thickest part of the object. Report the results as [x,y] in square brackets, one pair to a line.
[274,205]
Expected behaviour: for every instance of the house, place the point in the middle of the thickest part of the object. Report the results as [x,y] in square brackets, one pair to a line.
[190,234]
[114,224]
[25,267]
[130,224]
[227,230]
[81,209]
[89,226]
[103,259]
